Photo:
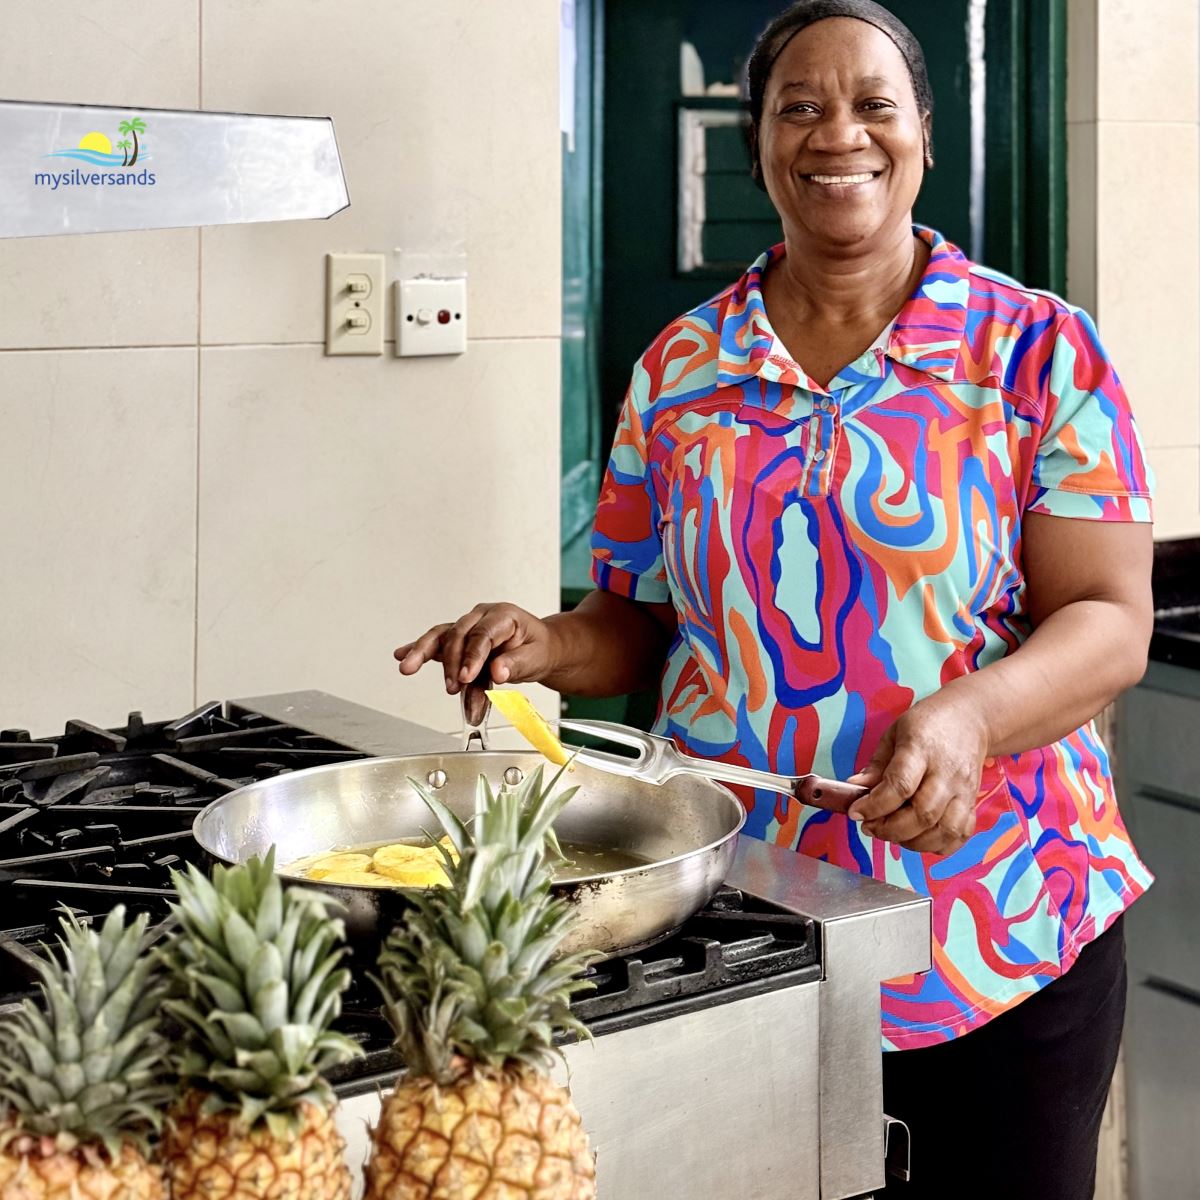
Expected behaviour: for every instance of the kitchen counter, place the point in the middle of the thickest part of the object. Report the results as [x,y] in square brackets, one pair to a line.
[1176,638]
[1159,794]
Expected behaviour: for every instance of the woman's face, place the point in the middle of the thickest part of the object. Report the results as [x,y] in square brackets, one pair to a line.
[841,143]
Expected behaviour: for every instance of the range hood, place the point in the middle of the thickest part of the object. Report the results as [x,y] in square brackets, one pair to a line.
[73,168]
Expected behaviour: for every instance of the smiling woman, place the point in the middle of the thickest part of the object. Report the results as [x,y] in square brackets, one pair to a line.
[880,513]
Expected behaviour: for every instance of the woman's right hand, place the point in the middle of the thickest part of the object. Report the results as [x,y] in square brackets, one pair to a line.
[521,647]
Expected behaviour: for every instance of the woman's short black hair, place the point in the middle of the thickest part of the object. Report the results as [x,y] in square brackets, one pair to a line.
[807,12]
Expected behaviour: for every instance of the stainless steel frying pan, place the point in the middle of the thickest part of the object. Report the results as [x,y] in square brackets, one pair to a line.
[684,828]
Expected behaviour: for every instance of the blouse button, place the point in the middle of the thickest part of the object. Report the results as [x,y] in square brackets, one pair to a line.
[819,456]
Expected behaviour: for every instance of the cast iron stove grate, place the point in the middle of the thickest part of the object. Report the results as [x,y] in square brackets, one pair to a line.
[737,946]
[99,817]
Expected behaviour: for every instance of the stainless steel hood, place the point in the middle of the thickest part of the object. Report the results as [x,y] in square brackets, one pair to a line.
[71,168]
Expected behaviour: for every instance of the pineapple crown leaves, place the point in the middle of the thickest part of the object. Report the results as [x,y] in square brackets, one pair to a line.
[471,974]
[90,1069]
[258,984]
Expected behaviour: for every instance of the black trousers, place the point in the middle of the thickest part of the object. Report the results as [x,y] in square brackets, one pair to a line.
[1012,1110]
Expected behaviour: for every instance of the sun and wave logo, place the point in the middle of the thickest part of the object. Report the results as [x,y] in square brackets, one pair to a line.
[98,150]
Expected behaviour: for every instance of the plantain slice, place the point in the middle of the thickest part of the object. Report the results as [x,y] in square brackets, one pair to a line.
[357,878]
[420,870]
[424,875]
[399,855]
[529,723]
[339,860]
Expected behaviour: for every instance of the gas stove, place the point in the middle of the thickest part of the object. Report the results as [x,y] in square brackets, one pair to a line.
[740,1055]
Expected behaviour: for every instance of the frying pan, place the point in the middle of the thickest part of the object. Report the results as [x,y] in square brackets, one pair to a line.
[684,830]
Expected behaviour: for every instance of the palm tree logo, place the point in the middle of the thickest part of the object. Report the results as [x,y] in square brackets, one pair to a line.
[134,125]
[124,145]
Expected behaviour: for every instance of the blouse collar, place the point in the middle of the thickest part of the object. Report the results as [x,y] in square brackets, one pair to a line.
[927,334]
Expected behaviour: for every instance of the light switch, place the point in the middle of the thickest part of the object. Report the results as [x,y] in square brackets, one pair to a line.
[431,316]
[354,304]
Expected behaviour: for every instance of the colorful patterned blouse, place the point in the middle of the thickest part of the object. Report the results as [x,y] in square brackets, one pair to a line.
[836,554]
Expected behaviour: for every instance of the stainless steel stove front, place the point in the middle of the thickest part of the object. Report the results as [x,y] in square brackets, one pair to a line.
[712,1104]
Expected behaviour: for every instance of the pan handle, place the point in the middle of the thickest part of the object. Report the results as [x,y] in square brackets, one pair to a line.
[831,794]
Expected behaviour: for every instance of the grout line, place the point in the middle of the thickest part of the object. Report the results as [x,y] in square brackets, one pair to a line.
[190,344]
[196,527]
[199,375]
[196,343]
[1135,121]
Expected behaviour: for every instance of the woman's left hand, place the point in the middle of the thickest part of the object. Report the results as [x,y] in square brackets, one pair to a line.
[924,775]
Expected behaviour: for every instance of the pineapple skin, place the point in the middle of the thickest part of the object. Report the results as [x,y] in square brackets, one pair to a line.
[211,1157]
[32,1169]
[488,1136]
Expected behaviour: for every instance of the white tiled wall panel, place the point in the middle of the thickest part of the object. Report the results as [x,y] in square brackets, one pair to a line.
[346,506]
[136,52]
[98,490]
[1177,507]
[1147,52]
[447,119]
[126,289]
[1148,273]
[103,289]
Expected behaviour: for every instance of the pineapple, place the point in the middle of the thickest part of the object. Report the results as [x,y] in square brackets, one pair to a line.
[476,998]
[259,983]
[530,724]
[81,1085]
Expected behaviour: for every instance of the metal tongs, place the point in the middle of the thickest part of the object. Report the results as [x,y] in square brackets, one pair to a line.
[476,708]
[658,760]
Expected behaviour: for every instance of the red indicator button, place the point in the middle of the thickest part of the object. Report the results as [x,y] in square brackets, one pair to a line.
[444,316]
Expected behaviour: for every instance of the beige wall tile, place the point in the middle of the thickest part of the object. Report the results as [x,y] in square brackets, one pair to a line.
[1177,502]
[1081,214]
[104,289]
[1081,60]
[112,289]
[97,481]
[1148,282]
[1149,51]
[416,91]
[137,52]
[346,506]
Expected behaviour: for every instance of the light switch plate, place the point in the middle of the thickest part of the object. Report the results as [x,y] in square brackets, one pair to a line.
[354,304]
[431,316]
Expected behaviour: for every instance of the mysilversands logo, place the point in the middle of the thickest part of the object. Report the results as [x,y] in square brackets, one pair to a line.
[99,150]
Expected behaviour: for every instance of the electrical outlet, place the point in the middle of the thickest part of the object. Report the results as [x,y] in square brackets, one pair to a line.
[431,316]
[354,303]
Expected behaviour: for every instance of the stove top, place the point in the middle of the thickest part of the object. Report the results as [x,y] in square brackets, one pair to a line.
[98,817]
[736,948]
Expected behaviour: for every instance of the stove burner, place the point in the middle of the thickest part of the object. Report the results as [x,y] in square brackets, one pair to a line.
[99,817]
[737,946]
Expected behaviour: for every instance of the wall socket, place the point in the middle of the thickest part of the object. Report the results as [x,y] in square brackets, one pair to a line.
[354,304]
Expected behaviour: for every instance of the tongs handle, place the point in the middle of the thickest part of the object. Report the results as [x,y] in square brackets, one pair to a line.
[475,710]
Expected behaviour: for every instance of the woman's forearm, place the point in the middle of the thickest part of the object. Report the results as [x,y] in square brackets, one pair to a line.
[1077,661]
[609,646]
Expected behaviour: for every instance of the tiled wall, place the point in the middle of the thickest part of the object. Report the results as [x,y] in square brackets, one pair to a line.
[196,503]
[1134,180]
